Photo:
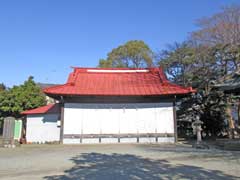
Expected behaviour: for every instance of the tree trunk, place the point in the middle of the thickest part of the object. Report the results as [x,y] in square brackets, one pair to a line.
[231,125]
[239,112]
[238,118]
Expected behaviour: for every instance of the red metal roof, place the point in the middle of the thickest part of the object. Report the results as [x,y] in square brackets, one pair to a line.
[48,109]
[117,82]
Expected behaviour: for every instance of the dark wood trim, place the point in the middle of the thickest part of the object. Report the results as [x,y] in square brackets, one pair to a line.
[117,99]
[59,96]
[81,136]
[62,122]
[175,120]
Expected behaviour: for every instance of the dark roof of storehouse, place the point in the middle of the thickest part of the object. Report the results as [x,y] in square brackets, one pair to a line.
[231,83]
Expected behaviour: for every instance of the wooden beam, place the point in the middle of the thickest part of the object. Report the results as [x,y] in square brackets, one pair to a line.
[140,135]
[62,122]
[116,99]
[175,120]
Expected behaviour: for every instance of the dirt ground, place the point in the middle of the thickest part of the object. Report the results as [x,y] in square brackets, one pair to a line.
[135,161]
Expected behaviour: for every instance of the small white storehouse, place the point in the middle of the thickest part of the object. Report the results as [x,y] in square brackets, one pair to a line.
[117,105]
[43,124]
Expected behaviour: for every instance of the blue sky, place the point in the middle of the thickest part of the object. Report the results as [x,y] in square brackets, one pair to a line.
[44,38]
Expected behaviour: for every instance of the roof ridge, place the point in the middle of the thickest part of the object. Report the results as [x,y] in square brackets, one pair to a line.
[162,76]
[109,68]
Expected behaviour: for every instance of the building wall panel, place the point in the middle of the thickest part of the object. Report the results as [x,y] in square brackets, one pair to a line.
[42,128]
[131,118]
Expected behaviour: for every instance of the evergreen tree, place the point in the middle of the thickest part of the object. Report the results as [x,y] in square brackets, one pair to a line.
[20,98]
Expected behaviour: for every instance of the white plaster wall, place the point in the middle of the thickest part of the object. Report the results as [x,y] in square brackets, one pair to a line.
[90,141]
[166,140]
[147,140]
[71,141]
[42,128]
[118,118]
[128,140]
[109,140]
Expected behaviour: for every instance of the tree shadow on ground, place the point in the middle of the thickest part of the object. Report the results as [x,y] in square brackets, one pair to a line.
[91,166]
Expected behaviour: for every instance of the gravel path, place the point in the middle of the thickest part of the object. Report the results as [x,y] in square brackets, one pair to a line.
[135,161]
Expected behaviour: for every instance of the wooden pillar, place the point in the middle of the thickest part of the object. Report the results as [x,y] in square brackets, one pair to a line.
[62,121]
[175,119]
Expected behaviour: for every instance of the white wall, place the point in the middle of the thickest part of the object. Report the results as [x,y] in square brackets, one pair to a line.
[118,118]
[42,128]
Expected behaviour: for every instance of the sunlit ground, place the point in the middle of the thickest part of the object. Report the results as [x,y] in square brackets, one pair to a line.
[104,162]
